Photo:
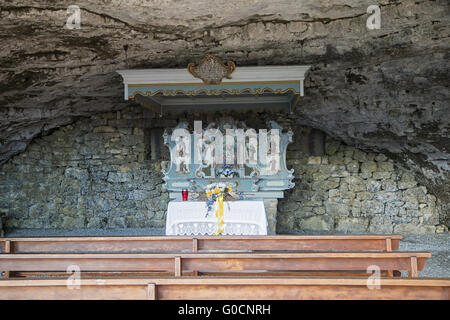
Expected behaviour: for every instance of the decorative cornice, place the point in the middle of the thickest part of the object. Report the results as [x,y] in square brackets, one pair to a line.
[206,92]
[241,74]
[258,78]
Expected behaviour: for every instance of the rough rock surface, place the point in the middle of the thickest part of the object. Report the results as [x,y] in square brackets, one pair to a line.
[380,90]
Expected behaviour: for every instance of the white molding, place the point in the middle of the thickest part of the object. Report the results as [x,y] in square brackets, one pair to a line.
[246,74]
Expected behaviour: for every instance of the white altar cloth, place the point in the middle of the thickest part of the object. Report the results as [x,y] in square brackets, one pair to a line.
[242,217]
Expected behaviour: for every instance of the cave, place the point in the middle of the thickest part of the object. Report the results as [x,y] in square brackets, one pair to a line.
[371,147]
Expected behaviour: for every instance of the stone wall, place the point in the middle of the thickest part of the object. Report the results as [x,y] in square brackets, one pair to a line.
[348,190]
[93,174]
[98,173]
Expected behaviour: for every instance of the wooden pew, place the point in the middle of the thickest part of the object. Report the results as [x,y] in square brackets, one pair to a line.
[217,262]
[242,288]
[203,243]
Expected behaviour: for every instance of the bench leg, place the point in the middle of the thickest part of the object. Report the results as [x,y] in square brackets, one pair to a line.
[6,246]
[177,267]
[8,274]
[151,291]
[194,245]
[413,268]
[388,245]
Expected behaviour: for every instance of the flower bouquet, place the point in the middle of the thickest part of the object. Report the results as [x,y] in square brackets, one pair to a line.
[213,191]
[215,194]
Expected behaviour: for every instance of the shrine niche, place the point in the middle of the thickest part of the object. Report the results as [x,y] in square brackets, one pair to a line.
[220,162]
[253,160]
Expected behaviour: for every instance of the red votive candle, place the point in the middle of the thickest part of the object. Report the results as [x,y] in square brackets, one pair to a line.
[184,194]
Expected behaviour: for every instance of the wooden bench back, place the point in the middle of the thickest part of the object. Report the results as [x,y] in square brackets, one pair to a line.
[291,288]
[217,262]
[196,244]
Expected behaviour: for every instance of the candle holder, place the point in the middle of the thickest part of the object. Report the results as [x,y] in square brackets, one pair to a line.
[184,194]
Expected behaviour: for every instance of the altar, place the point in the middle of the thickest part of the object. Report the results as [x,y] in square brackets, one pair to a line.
[244,217]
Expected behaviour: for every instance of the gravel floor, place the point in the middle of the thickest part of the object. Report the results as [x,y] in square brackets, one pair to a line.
[438,244]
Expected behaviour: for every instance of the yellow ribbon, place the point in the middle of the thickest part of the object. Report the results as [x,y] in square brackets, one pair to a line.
[219,214]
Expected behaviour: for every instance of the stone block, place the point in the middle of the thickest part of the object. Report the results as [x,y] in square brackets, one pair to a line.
[331,147]
[353,166]
[364,196]
[316,223]
[325,185]
[349,152]
[410,228]
[381,175]
[381,224]
[319,176]
[385,166]
[370,207]
[318,210]
[352,224]
[329,169]
[380,157]
[312,203]
[430,218]
[348,195]
[411,202]
[117,223]
[369,166]
[360,155]
[95,223]
[75,173]
[333,193]
[355,184]
[104,129]
[288,206]
[285,222]
[386,196]
[139,195]
[119,177]
[70,222]
[337,158]
[442,228]
[314,160]
[389,185]
[406,184]
[406,176]
[348,160]
[336,209]
[365,175]
[417,193]
[391,209]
